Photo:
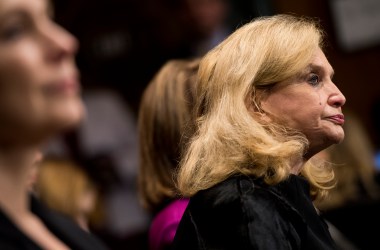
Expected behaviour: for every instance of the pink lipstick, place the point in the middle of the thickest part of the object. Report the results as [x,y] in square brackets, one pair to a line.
[337,119]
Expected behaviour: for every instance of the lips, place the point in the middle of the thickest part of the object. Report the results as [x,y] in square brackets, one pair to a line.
[66,86]
[337,119]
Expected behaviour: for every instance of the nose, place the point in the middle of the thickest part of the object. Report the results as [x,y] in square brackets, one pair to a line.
[60,43]
[336,98]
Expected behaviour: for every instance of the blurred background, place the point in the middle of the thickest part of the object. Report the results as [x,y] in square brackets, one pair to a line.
[124,42]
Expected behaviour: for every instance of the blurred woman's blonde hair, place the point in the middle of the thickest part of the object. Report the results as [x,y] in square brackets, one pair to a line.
[230,137]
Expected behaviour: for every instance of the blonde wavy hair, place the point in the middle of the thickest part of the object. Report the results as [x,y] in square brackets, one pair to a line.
[230,139]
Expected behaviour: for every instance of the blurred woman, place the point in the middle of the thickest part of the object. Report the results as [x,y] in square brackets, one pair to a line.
[39,97]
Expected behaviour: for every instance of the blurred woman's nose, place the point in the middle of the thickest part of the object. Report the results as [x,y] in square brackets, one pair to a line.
[60,42]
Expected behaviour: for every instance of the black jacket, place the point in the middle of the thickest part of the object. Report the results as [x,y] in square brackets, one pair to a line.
[245,213]
[11,238]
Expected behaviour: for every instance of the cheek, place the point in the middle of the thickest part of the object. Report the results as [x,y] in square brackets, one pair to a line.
[20,73]
[284,111]
[23,63]
[20,101]
[306,120]
[298,116]
[17,91]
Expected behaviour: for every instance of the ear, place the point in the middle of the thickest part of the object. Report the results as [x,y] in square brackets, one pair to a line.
[264,115]
[256,110]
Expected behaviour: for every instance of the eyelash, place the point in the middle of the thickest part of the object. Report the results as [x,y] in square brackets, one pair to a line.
[13,32]
[314,80]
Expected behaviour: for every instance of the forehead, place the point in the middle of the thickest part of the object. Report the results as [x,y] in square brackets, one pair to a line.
[8,6]
[320,62]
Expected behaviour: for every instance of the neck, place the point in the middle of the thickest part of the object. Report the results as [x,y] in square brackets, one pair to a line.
[16,168]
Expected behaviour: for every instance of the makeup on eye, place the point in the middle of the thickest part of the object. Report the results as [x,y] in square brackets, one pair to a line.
[14,26]
[321,71]
[314,79]
[12,32]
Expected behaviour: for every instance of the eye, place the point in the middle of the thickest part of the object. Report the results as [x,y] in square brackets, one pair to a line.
[314,80]
[12,31]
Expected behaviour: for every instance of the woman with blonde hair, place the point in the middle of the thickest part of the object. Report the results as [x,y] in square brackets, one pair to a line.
[266,103]
[165,122]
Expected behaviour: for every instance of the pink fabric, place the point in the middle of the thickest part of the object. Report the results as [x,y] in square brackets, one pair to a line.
[165,223]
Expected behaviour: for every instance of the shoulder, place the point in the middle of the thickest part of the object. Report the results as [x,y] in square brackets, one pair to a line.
[11,237]
[238,189]
[66,229]
[239,199]
[238,213]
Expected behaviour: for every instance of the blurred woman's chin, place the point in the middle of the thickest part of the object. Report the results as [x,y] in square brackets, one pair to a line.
[76,115]
[71,117]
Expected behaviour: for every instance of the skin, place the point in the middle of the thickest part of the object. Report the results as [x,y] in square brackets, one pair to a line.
[39,98]
[310,103]
[39,86]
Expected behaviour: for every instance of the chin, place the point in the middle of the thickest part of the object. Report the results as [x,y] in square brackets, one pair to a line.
[340,140]
[70,116]
[337,138]
[76,116]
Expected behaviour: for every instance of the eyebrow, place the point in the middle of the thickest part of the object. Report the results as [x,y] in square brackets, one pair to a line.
[317,67]
[21,11]
[11,15]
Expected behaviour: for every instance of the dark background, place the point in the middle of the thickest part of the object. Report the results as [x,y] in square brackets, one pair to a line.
[124,42]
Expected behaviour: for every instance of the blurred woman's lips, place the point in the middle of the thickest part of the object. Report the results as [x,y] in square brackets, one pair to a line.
[66,86]
[337,119]
[69,85]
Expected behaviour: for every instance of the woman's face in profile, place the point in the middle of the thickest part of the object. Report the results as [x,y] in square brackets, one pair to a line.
[310,103]
[39,82]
